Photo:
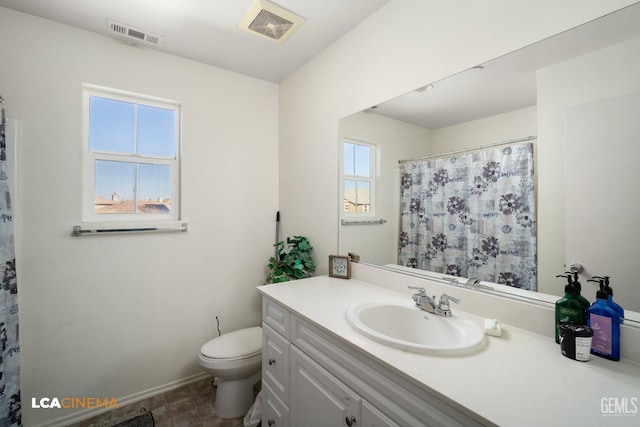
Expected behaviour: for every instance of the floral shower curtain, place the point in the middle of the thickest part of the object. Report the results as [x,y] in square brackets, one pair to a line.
[471,216]
[10,413]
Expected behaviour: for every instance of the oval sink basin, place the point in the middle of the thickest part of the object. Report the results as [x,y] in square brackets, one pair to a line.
[410,329]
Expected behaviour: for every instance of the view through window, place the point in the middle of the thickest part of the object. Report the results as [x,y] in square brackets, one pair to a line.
[133,149]
[358,181]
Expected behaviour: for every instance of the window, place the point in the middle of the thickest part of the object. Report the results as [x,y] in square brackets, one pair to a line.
[132,165]
[358,178]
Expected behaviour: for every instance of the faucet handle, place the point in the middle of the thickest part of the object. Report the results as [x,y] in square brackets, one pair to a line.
[421,296]
[420,290]
[444,299]
[443,305]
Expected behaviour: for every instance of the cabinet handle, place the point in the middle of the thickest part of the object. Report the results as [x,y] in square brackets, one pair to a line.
[272,362]
[271,423]
[350,420]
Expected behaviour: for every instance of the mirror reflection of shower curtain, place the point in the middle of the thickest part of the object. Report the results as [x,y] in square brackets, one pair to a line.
[10,405]
[471,216]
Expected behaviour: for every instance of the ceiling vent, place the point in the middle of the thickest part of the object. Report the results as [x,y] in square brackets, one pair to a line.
[270,21]
[126,32]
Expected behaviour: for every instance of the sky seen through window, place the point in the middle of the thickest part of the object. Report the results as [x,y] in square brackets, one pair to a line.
[141,132]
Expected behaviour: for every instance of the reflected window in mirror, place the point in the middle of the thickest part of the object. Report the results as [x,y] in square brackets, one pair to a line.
[358,178]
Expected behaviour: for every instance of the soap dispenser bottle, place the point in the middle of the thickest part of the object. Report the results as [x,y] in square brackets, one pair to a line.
[605,323]
[568,308]
[609,291]
[578,289]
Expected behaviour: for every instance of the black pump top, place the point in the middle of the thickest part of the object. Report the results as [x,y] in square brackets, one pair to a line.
[601,293]
[607,288]
[576,283]
[569,288]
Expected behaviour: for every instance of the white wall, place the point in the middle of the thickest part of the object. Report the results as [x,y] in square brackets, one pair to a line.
[111,316]
[405,45]
[603,74]
[486,131]
[394,140]
[602,204]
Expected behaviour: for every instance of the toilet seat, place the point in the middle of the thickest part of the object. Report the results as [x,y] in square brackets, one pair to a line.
[241,344]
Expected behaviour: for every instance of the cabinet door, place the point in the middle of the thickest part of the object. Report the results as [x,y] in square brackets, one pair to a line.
[275,361]
[274,412]
[318,399]
[371,417]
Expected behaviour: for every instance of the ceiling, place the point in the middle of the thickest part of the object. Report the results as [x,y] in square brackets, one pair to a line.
[207,30]
[507,83]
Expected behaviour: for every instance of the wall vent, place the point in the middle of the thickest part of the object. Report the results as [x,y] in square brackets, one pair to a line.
[128,33]
[271,22]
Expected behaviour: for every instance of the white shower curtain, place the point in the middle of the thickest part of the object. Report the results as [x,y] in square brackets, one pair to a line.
[471,216]
[10,405]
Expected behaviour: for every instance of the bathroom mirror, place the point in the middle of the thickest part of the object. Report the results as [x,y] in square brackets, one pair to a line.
[568,91]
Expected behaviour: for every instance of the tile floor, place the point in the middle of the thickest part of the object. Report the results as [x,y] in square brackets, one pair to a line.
[188,406]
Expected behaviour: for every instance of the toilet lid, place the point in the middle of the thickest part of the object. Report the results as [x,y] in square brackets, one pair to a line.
[241,343]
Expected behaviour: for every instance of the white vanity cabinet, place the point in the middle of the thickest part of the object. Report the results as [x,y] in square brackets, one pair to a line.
[311,378]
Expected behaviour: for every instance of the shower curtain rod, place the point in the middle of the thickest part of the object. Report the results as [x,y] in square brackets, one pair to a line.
[511,141]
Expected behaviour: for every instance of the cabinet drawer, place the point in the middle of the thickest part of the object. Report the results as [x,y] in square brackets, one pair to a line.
[274,412]
[275,361]
[276,316]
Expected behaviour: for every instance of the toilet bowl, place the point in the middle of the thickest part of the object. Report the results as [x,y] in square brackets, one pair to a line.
[235,360]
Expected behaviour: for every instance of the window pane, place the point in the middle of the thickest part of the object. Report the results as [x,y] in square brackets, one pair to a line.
[154,189]
[349,195]
[114,184]
[363,196]
[110,125]
[362,160]
[156,131]
[348,159]
[357,196]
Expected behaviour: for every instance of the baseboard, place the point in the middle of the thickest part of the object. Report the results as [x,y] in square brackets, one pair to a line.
[123,401]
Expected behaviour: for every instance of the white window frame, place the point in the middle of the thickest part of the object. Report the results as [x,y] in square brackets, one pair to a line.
[89,158]
[371,180]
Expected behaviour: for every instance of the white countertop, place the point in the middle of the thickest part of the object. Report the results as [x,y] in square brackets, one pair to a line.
[518,379]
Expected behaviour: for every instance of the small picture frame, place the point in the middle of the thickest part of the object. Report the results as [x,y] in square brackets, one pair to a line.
[339,266]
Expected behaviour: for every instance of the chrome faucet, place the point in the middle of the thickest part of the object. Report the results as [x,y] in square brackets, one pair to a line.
[473,281]
[428,304]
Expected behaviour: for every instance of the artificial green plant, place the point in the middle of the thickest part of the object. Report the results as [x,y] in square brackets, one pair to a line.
[293,260]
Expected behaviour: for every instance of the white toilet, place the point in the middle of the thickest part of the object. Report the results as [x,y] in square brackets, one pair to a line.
[235,359]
